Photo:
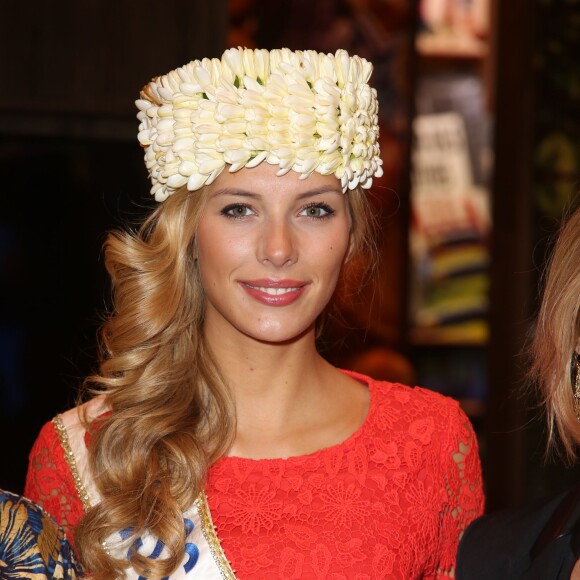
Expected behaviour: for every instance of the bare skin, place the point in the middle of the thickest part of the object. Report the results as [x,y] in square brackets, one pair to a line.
[289,400]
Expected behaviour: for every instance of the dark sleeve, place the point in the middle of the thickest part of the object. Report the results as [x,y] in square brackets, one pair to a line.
[499,546]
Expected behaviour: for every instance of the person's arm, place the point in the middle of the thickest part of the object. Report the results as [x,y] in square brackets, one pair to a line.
[33,545]
[49,481]
[461,478]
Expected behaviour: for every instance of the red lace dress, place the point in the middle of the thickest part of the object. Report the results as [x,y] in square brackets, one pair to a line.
[389,502]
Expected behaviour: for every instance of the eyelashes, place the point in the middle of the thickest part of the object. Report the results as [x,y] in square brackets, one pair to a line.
[314,210]
[237,211]
[317,210]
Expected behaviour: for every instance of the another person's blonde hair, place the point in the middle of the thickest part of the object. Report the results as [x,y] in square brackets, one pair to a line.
[557,335]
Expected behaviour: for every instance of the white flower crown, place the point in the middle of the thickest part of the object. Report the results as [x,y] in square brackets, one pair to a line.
[304,111]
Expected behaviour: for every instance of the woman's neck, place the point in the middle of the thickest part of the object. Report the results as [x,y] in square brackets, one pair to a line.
[265,371]
[289,400]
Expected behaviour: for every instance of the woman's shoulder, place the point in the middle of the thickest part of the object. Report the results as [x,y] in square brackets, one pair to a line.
[83,414]
[427,429]
[75,440]
[72,419]
[58,475]
[413,399]
[419,413]
[74,437]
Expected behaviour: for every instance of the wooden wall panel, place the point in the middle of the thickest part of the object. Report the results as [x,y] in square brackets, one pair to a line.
[92,57]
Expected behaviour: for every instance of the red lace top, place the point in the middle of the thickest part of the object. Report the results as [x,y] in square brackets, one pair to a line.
[389,502]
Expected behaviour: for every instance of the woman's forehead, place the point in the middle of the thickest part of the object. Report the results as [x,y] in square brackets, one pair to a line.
[264,179]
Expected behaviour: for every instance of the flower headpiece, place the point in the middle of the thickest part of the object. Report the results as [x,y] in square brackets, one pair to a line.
[303,111]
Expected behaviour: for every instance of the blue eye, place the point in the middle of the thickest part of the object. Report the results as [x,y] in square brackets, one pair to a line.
[237,210]
[317,211]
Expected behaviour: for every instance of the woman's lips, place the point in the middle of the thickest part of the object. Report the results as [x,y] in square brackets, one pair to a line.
[274,292]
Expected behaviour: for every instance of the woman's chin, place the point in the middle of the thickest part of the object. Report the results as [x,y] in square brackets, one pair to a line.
[280,334]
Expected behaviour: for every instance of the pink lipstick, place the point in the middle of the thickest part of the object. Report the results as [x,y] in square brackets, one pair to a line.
[274,292]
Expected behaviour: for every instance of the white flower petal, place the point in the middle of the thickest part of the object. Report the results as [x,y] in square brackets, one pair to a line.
[300,110]
[177,180]
[196,181]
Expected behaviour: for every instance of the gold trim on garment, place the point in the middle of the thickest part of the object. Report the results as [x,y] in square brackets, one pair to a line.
[207,526]
[72,464]
[210,535]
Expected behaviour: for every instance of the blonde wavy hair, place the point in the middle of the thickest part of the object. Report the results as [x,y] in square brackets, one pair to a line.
[557,335]
[172,415]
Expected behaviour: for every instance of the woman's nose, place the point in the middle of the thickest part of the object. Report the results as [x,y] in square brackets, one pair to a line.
[277,243]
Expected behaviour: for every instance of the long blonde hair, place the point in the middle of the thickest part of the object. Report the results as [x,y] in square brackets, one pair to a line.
[172,415]
[556,336]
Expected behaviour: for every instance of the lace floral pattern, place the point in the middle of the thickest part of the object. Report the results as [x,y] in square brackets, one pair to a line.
[49,481]
[390,502]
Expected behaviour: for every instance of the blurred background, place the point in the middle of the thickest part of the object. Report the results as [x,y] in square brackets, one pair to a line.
[480,136]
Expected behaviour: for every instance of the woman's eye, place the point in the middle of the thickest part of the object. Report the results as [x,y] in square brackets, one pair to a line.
[317,210]
[237,211]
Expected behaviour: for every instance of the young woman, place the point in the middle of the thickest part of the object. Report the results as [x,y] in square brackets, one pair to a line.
[543,540]
[219,443]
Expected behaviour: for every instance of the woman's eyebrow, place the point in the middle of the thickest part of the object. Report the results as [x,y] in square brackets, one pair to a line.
[234,191]
[320,190]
